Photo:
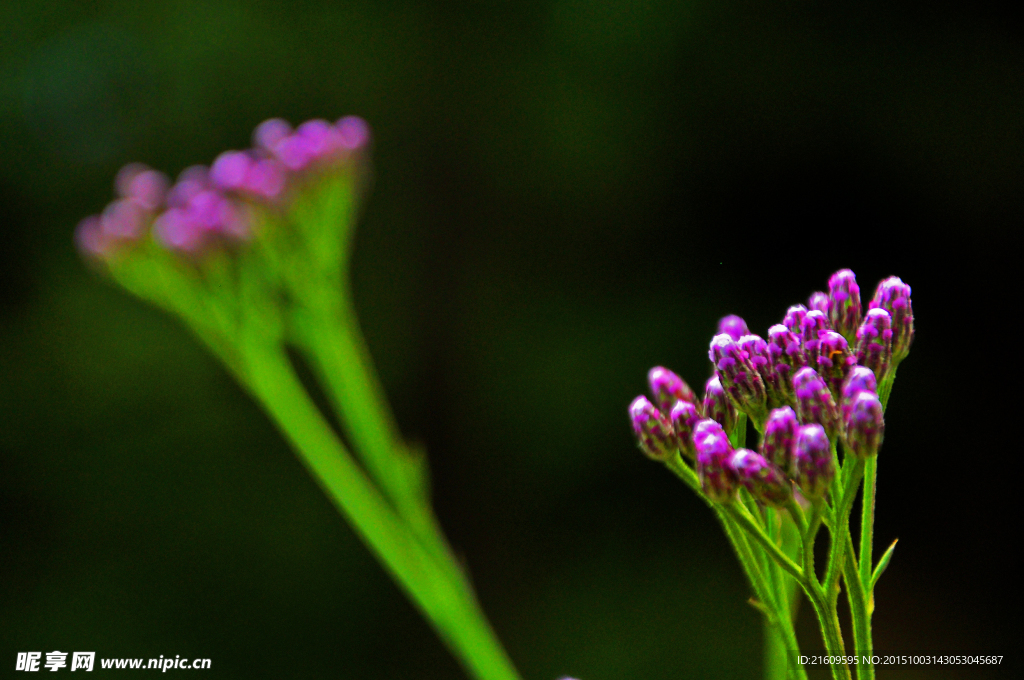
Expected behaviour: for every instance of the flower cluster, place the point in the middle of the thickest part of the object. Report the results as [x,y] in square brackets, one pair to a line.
[812,385]
[208,206]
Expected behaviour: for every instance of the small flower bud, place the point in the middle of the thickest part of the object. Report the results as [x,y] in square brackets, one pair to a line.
[860,379]
[738,375]
[893,296]
[653,430]
[717,478]
[814,402]
[353,132]
[813,468]
[844,303]
[733,326]
[814,323]
[764,480]
[717,404]
[787,357]
[124,219]
[794,319]
[834,360]
[818,301]
[865,425]
[874,342]
[779,435]
[667,388]
[146,187]
[684,418]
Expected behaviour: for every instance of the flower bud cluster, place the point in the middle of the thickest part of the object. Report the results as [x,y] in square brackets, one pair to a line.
[813,384]
[207,206]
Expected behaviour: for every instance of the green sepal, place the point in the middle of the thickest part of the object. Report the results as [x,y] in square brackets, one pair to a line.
[883,562]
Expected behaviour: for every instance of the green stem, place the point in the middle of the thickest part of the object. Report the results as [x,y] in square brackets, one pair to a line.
[858,612]
[840,522]
[435,587]
[739,514]
[867,524]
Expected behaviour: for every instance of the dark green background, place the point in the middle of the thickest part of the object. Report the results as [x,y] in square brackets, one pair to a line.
[566,193]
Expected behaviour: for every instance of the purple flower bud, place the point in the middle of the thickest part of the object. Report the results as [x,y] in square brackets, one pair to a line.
[229,170]
[717,404]
[893,296]
[668,388]
[653,430]
[874,342]
[354,132]
[265,178]
[810,328]
[814,402]
[190,182]
[738,375]
[320,136]
[764,480]
[787,356]
[717,478]
[860,379]
[684,418]
[779,435]
[865,425]
[818,301]
[813,468]
[91,240]
[269,134]
[794,319]
[834,360]
[844,303]
[123,219]
[733,326]
[146,187]
[177,229]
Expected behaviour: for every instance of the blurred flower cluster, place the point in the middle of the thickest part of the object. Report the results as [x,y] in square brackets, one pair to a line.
[812,385]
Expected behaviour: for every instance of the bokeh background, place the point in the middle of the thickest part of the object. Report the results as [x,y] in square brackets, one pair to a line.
[567,192]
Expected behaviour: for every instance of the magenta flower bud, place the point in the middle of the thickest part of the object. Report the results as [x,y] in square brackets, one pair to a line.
[815,322]
[814,402]
[294,152]
[760,358]
[779,435]
[177,229]
[124,219]
[717,478]
[787,356]
[733,326]
[190,182]
[834,360]
[813,468]
[322,139]
[738,375]
[265,178]
[764,480]
[717,404]
[818,301]
[229,170]
[91,240]
[860,379]
[794,319]
[874,342]
[893,296]
[269,134]
[844,303]
[146,187]
[653,430]
[865,425]
[354,132]
[668,388]
[684,418]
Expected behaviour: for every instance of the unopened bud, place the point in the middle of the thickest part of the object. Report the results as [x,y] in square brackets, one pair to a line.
[814,402]
[794,319]
[667,388]
[865,425]
[818,301]
[834,360]
[860,379]
[787,356]
[844,303]
[717,478]
[874,342]
[813,468]
[733,326]
[717,405]
[815,322]
[779,435]
[653,430]
[763,479]
[893,296]
[684,417]
[738,375]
